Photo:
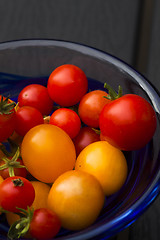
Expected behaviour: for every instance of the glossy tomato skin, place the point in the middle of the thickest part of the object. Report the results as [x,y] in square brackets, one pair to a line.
[40,200]
[77,198]
[85,137]
[107,163]
[47,151]
[66,119]
[7,124]
[36,95]
[16,192]
[26,118]
[45,224]
[128,122]
[67,84]
[17,171]
[90,107]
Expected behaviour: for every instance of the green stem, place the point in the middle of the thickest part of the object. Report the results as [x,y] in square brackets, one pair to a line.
[12,163]
[112,95]
[21,226]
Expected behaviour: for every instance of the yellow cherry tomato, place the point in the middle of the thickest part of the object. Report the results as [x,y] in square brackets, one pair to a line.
[40,201]
[77,198]
[106,163]
[47,152]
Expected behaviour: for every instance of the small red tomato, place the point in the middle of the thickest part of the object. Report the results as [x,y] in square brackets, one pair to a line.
[36,95]
[26,118]
[90,107]
[67,84]
[45,224]
[16,192]
[66,119]
[85,137]
[128,122]
[7,118]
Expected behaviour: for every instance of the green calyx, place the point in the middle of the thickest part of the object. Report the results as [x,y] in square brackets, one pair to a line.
[20,227]
[113,95]
[12,163]
[5,106]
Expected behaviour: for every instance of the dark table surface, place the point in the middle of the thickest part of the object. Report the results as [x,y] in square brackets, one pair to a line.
[126,29]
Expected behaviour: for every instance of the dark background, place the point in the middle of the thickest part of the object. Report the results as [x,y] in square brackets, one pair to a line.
[127,29]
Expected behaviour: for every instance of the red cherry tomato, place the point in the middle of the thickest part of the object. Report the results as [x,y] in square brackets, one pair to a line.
[26,118]
[67,84]
[7,119]
[85,137]
[128,122]
[16,192]
[90,107]
[36,95]
[45,224]
[68,120]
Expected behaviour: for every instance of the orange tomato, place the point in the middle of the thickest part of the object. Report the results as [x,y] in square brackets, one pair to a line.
[106,163]
[41,194]
[40,201]
[77,198]
[47,152]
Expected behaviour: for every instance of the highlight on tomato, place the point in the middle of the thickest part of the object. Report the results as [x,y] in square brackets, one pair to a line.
[47,151]
[39,224]
[40,200]
[36,95]
[77,198]
[107,163]
[91,106]
[128,122]
[67,84]
[16,192]
[26,118]
[68,120]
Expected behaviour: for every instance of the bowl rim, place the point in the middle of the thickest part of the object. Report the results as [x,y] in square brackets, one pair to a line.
[127,217]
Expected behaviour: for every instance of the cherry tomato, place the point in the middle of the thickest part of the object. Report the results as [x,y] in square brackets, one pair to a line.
[67,84]
[106,163]
[7,118]
[45,224]
[16,192]
[40,200]
[77,198]
[90,107]
[66,119]
[85,136]
[47,151]
[36,95]
[128,122]
[26,118]
[18,171]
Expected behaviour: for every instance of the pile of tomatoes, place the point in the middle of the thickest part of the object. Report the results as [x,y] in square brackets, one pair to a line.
[66,151]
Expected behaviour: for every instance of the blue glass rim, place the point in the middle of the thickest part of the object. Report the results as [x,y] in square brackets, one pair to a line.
[132,213]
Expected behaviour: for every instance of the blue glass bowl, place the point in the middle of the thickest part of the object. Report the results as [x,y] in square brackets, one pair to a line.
[31,61]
